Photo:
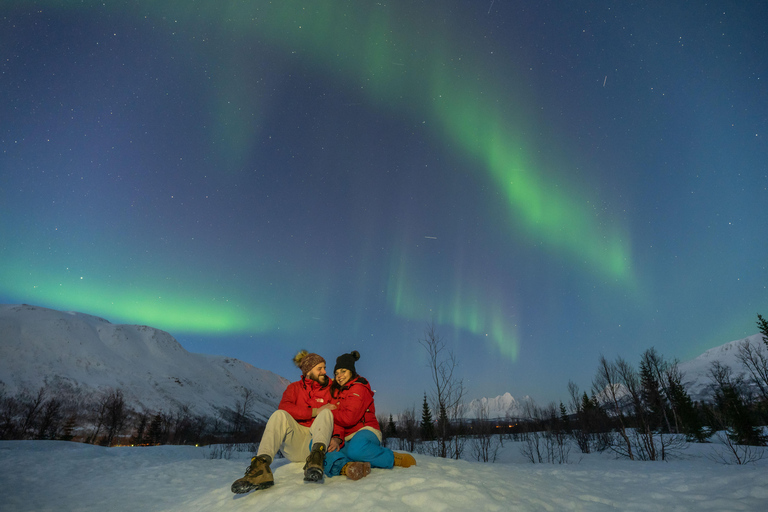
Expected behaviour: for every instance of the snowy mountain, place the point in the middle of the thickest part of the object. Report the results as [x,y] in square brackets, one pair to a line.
[695,373]
[500,407]
[82,354]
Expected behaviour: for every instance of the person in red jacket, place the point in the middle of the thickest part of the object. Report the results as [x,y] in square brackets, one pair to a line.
[300,428]
[356,443]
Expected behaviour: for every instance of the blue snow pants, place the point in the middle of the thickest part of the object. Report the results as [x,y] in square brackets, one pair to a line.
[363,447]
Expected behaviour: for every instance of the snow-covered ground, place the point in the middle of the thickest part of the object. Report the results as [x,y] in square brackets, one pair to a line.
[61,476]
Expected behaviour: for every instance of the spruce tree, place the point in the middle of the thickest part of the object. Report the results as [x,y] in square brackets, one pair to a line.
[443,432]
[155,432]
[731,404]
[391,428]
[427,425]
[690,420]
[762,324]
[564,419]
[650,391]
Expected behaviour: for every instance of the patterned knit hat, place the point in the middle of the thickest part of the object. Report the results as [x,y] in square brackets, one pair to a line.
[306,361]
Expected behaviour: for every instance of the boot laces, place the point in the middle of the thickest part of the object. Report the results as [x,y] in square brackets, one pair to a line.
[252,466]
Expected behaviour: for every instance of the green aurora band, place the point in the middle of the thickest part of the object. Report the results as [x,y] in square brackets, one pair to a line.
[381,55]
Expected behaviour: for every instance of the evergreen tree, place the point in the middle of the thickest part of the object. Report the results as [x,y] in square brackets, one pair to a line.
[391,428]
[733,408]
[743,429]
[443,431]
[687,414]
[564,419]
[586,403]
[762,324]
[650,391]
[427,425]
[155,432]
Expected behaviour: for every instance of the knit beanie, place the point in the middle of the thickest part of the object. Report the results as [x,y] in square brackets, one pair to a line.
[306,361]
[347,361]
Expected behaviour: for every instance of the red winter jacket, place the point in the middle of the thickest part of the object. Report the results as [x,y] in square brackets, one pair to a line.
[354,408]
[300,397]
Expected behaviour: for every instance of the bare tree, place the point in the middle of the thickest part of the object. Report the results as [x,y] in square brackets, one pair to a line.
[734,453]
[116,415]
[755,360]
[448,391]
[10,408]
[50,419]
[243,408]
[31,407]
[532,447]
[643,434]
[408,429]
[575,396]
[484,445]
[382,419]
[606,385]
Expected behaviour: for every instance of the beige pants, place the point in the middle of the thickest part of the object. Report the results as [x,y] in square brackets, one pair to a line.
[285,434]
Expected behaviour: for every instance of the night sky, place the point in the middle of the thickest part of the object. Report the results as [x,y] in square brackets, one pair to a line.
[546,181]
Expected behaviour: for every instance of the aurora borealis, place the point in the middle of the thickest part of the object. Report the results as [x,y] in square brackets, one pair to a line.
[547,183]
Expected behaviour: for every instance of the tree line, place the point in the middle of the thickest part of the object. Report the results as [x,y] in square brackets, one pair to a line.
[106,418]
[641,413]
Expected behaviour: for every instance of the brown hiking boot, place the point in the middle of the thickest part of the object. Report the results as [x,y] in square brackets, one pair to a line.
[313,469]
[257,476]
[356,470]
[404,460]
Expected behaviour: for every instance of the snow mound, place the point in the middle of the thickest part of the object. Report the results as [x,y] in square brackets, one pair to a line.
[182,478]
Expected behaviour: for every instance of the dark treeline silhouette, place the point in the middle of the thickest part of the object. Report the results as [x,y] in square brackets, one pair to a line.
[107,419]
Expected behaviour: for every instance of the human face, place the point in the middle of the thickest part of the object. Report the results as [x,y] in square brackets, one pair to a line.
[343,376]
[317,373]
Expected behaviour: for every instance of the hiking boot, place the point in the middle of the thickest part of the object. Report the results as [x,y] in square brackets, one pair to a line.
[356,470]
[257,476]
[404,460]
[313,469]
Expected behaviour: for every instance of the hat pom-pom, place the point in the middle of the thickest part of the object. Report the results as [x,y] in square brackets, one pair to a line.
[299,357]
[355,355]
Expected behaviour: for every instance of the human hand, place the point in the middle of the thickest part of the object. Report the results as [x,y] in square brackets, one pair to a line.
[330,407]
[334,445]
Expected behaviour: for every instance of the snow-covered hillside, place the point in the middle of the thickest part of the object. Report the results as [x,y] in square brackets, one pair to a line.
[75,352]
[695,372]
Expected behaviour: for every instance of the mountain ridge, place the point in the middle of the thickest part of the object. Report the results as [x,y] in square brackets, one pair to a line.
[81,353]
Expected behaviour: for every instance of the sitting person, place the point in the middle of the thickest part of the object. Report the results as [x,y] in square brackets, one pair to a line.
[301,428]
[356,443]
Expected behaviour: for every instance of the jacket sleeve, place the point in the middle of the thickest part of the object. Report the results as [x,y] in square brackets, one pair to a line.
[353,406]
[294,403]
[339,432]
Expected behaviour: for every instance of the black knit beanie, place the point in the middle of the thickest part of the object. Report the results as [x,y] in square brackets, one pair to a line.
[347,362]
